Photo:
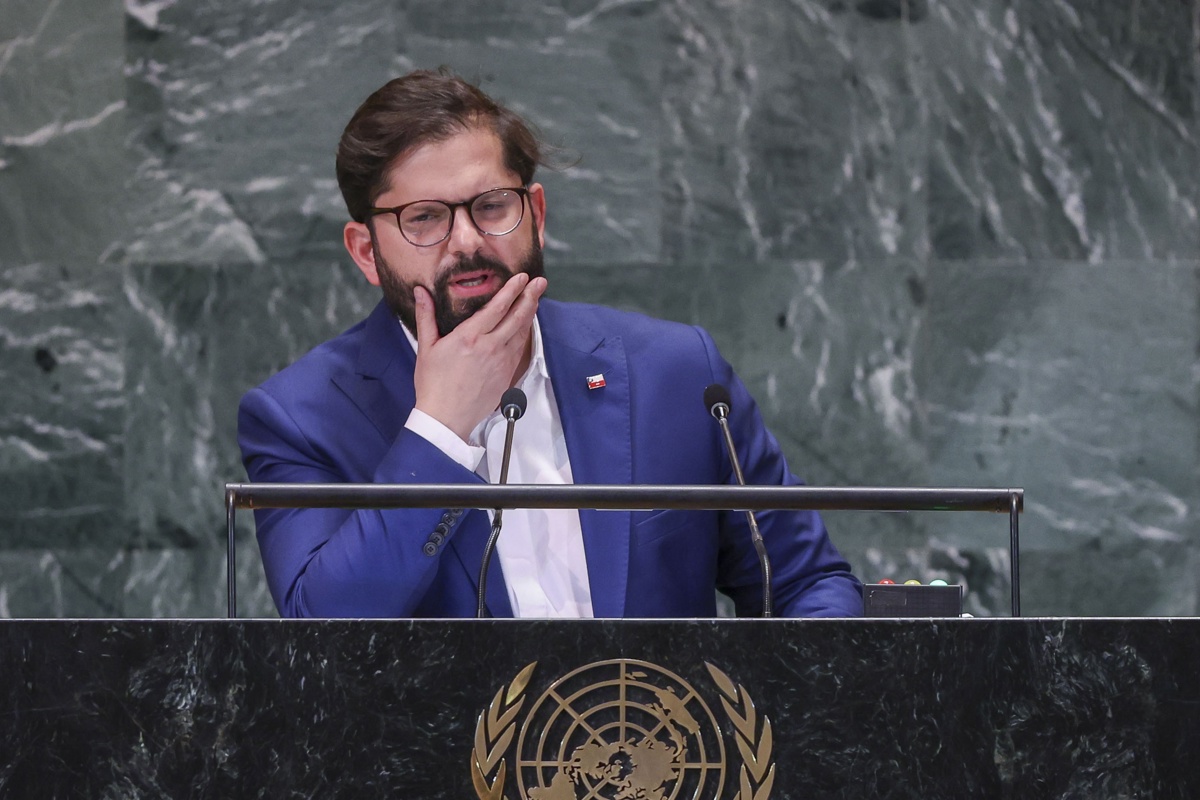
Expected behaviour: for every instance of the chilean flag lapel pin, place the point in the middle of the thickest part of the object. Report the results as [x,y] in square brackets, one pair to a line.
[596,381]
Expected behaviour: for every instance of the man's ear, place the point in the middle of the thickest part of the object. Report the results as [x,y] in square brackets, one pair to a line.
[357,238]
[537,202]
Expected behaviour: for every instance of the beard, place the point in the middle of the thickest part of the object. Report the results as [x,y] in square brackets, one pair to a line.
[398,293]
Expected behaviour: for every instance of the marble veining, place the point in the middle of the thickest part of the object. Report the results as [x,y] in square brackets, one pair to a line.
[895,709]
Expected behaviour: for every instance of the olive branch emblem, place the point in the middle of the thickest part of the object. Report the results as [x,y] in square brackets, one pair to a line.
[493,734]
[497,724]
[757,775]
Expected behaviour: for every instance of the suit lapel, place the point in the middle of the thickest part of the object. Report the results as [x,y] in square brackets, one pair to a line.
[382,386]
[596,424]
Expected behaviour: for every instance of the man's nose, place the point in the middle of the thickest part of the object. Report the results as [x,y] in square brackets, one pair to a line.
[464,236]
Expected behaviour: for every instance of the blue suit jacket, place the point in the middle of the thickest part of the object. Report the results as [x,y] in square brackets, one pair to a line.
[338,413]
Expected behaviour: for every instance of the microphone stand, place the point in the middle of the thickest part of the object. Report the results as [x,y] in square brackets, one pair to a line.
[512,406]
[719,408]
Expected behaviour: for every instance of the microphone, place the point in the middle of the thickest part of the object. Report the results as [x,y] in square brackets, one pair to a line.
[512,406]
[718,402]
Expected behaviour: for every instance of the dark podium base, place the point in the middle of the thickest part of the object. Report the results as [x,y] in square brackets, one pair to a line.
[1018,708]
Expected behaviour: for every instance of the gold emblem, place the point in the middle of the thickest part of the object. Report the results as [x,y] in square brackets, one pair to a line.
[621,730]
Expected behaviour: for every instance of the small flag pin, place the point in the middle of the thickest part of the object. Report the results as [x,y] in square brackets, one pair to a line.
[595,381]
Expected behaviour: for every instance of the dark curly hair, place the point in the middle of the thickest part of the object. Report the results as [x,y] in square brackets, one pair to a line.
[419,108]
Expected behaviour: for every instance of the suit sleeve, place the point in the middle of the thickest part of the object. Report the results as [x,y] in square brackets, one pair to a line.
[810,577]
[336,562]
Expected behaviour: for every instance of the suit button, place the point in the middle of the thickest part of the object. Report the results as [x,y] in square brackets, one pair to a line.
[429,549]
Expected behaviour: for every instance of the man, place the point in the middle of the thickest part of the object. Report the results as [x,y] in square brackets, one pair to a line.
[447,221]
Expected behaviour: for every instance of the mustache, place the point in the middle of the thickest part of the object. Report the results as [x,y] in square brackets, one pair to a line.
[468,264]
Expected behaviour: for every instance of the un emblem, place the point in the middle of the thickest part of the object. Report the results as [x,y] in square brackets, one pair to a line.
[621,730]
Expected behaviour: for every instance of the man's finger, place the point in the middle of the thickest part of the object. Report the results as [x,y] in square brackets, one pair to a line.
[520,313]
[427,331]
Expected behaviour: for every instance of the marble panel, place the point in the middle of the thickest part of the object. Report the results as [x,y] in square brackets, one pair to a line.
[105,582]
[50,582]
[199,338]
[1077,382]
[1113,577]
[793,130]
[236,110]
[62,130]
[174,583]
[1076,379]
[1063,130]
[61,407]
[588,76]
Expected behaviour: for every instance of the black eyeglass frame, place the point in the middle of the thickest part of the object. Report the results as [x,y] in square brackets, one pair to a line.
[522,191]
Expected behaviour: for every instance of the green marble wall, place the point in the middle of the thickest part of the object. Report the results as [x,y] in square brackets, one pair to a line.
[945,242]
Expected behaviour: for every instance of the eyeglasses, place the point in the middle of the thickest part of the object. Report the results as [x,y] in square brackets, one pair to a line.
[425,223]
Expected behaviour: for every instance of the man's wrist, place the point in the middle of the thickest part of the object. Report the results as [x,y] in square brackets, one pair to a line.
[444,439]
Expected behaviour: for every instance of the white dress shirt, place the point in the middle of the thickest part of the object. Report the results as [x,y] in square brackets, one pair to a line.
[540,550]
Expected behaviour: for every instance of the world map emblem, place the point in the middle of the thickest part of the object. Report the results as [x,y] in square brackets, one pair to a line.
[622,729]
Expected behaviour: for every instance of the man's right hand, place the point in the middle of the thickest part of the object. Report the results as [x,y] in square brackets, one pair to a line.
[460,377]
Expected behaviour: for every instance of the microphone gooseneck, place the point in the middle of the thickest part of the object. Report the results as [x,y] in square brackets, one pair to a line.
[512,407]
[719,404]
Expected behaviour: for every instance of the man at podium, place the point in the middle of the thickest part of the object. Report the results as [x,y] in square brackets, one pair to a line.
[447,220]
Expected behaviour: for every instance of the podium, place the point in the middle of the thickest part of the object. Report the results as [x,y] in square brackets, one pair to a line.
[548,710]
[747,709]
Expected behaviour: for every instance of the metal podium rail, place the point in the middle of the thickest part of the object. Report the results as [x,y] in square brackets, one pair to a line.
[620,497]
